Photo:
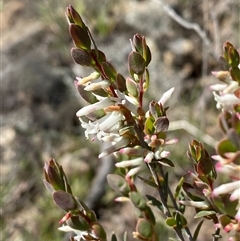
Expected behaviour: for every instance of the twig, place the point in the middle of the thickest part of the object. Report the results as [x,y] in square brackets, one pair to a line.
[193,130]
[175,204]
[194,26]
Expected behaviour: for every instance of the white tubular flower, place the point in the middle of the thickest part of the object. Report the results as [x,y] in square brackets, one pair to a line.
[106,102]
[225,101]
[132,151]
[226,188]
[224,93]
[97,85]
[161,154]
[111,137]
[166,96]
[230,170]
[123,142]
[80,234]
[232,188]
[92,76]
[130,103]
[130,163]
[137,169]
[110,123]
[149,157]
[218,87]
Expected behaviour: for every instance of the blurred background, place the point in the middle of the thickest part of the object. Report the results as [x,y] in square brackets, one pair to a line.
[39,100]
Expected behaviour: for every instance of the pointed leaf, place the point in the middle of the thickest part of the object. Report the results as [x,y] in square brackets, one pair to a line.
[99,231]
[80,36]
[113,237]
[155,202]
[148,126]
[197,230]
[204,214]
[148,181]
[166,162]
[79,223]
[235,74]
[109,71]
[179,187]
[121,83]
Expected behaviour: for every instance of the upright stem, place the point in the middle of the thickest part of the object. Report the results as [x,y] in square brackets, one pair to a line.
[216,235]
[175,204]
[164,202]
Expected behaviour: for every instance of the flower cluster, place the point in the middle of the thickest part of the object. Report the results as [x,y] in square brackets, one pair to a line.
[115,114]
[227,94]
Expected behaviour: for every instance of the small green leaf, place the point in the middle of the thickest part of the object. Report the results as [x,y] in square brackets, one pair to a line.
[144,228]
[80,36]
[146,53]
[74,16]
[78,223]
[179,187]
[136,63]
[149,215]
[149,127]
[180,220]
[132,87]
[147,80]
[171,222]
[109,71]
[99,231]
[225,146]
[235,74]
[155,202]
[233,57]
[138,201]
[204,214]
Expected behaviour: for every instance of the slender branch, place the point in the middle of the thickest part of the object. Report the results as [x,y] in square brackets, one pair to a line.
[175,204]
[193,130]
[194,26]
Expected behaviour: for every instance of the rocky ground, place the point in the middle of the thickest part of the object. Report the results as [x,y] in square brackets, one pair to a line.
[39,102]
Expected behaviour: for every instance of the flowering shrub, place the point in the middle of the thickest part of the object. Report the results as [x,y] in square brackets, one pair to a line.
[115,114]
